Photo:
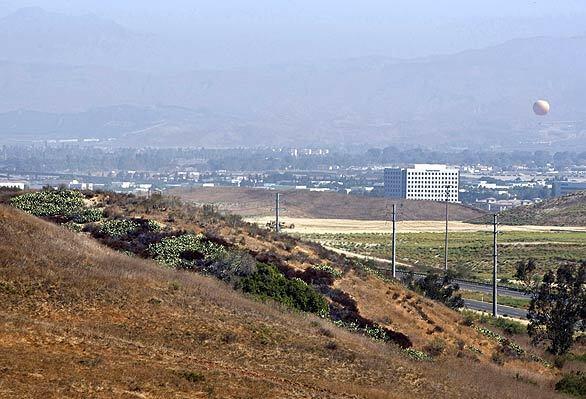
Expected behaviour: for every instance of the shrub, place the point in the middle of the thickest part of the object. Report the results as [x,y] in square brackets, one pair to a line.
[510,327]
[73,227]
[332,345]
[117,228]
[508,347]
[436,347]
[328,269]
[154,226]
[440,289]
[50,203]
[231,266]
[572,384]
[90,215]
[269,283]
[468,318]
[193,376]
[498,357]
[417,355]
[184,250]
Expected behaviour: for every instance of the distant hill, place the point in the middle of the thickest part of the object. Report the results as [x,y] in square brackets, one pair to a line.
[569,210]
[474,98]
[127,124]
[307,204]
[34,35]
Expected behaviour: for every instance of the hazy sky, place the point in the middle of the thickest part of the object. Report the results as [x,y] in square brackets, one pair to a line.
[233,32]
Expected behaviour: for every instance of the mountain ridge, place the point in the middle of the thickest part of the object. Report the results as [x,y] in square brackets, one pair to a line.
[474,98]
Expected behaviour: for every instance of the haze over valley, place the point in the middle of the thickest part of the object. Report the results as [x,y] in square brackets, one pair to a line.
[86,76]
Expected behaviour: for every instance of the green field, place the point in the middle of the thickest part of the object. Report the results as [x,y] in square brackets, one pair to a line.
[470,253]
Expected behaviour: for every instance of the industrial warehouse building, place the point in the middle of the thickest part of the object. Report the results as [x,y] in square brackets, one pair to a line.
[561,188]
[423,182]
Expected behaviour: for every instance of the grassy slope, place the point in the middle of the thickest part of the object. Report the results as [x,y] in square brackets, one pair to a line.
[79,320]
[306,204]
[569,210]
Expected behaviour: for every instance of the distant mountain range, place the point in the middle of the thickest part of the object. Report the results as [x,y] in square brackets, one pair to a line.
[64,76]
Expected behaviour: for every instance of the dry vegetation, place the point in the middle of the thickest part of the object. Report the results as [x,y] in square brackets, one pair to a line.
[306,204]
[79,320]
[569,210]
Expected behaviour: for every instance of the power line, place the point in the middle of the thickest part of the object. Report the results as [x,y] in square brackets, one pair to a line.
[394,254]
[447,221]
[277,200]
[495,266]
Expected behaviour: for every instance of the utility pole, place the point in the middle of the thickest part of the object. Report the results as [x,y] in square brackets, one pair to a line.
[495,266]
[447,218]
[277,226]
[394,245]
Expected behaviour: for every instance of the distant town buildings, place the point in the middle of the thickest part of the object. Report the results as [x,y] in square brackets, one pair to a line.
[494,205]
[13,184]
[77,185]
[567,187]
[423,182]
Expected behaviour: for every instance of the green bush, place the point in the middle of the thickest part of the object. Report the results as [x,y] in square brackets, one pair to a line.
[183,250]
[417,355]
[50,203]
[269,283]
[73,227]
[231,266]
[154,226]
[509,326]
[90,215]
[438,288]
[573,384]
[328,269]
[117,228]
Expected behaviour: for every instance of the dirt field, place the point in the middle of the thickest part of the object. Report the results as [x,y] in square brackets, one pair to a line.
[346,226]
[306,204]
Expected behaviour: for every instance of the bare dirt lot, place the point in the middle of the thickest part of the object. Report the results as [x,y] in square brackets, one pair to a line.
[306,204]
[347,226]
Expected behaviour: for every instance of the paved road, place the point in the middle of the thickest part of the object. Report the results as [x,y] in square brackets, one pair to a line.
[467,286]
[502,310]
[480,287]
[487,289]
[464,285]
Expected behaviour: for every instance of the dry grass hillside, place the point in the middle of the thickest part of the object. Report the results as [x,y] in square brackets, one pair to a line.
[307,204]
[569,210]
[80,320]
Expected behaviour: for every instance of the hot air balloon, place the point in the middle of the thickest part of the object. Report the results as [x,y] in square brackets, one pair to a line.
[541,107]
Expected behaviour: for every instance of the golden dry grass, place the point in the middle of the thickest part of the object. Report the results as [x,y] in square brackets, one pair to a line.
[79,321]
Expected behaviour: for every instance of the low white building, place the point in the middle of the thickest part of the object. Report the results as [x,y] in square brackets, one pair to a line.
[13,184]
[77,185]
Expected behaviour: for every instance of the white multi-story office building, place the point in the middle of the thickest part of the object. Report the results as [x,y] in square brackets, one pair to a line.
[423,182]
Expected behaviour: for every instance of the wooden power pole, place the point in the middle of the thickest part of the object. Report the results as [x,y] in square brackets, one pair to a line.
[495,266]
[394,244]
[277,204]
